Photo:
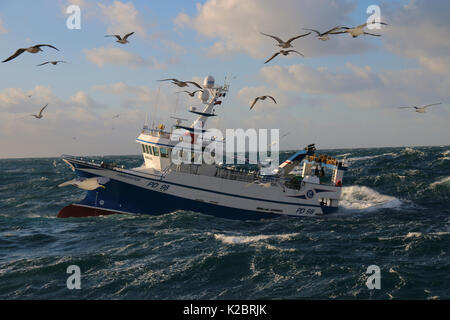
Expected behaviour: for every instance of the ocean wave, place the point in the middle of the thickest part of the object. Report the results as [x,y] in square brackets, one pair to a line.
[416,235]
[227,239]
[372,157]
[412,151]
[343,155]
[360,197]
[445,181]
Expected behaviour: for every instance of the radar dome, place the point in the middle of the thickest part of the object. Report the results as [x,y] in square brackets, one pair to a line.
[209,82]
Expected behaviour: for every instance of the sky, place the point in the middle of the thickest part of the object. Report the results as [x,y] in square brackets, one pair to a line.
[344,93]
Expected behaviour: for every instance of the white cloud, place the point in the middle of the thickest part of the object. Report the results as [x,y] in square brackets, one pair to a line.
[122,18]
[76,125]
[420,31]
[117,56]
[234,25]
[140,96]
[359,86]
[2,28]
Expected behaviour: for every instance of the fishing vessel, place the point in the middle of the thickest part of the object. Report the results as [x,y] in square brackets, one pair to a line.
[162,185]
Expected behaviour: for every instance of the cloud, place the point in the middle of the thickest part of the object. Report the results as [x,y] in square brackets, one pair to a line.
[235,25]
[2,28]
[140,96]
[359,86]
[117,56]
[420,31]
[75,125]
[122,18]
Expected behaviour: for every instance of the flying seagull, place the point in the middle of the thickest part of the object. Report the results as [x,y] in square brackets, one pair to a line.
[261,98]
[421,109]
[116,116]
[325,35]
[33,49]
[283,52]
[86,184]
[52,62]
[121,40]
[192,94]
[359,30]
[287,44]
[39,115]
[182,84]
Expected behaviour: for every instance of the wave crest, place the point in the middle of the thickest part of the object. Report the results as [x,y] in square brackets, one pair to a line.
[252,239]
[360,197]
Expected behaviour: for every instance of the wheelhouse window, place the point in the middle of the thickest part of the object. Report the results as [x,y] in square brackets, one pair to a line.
[155,151]
[164,152]
[143,148]
[149,150]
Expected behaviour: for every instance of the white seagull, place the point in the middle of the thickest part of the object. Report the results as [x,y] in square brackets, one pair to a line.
[284,53]
[182,84]
[121,40]
[359,30]
[86,184]
[52,62]
[421,109]
[39,115]
[325,35]
[261,98]
[33,49]
[285,44]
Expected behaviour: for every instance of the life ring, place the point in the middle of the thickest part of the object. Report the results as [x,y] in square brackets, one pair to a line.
[339,183]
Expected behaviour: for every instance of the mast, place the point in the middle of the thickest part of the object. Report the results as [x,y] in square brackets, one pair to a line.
[210,97]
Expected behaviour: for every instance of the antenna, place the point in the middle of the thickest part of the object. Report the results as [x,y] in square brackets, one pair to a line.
[156,107]
[179,120]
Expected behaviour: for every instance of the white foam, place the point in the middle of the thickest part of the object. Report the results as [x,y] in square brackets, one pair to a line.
[412,151]
[412,235]
[359,197]
[345,155]
[371,157]
[252,239]
[442,181]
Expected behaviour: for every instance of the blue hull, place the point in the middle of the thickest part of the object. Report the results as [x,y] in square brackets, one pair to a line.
[120,197]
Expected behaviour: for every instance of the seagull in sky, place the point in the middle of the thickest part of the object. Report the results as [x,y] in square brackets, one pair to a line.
[52,62]
[121,40]
[421,109]
[285,44]
[116,116]
[86,184]
[192,94]
[33,49]
[182,84]
[39,115]
[261,98]
[284,53]
[359,30]
[325,35]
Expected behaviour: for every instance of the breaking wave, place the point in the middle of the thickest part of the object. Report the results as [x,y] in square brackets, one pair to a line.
[226,239]
[443,181]
[360,197]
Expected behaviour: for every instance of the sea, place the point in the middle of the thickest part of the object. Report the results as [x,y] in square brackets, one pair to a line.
[390,239]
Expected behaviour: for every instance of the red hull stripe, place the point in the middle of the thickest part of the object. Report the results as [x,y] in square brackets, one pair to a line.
[76,211]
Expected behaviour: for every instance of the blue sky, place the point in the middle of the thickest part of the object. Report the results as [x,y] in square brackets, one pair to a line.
[344,93]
